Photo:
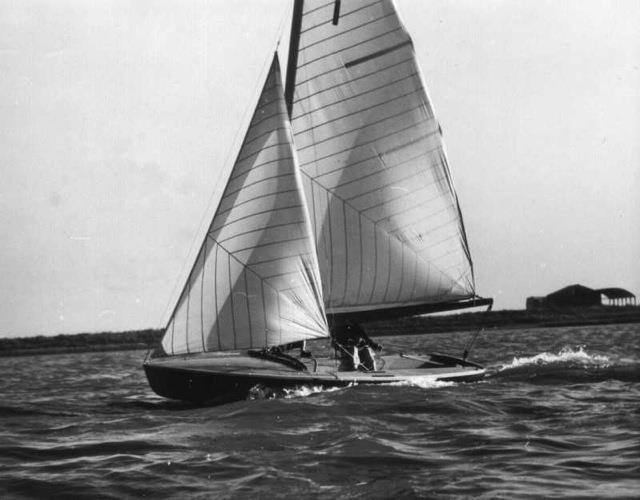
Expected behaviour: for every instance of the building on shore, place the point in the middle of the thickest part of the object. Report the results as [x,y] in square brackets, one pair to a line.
[582,296]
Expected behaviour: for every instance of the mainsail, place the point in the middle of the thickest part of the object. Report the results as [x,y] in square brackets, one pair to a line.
[388,228]
[255,282]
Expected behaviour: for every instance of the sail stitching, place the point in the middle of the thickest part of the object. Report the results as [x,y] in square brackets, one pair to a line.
[352,46]
[263,245]
[333,37]
[276,193]
[428,264]
[362,110]
[346,14]
[265,179]
[352,80]
[244,158]
[268,132]
[252,168]
[264,282]
[262,212]
[369,124]
[356,96]
[363,144]
[375,172]
[237,235]
[394,182]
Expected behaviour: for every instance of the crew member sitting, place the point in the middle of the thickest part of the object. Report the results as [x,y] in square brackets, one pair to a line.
[354,345]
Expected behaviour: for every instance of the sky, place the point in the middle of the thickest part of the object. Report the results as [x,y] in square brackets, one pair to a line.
[119,119]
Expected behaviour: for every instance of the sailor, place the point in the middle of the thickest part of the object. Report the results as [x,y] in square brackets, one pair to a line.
[354,345]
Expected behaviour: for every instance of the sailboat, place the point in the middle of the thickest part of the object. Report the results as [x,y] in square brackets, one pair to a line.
[339,207]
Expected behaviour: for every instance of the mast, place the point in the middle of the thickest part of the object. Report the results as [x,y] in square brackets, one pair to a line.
[292,61]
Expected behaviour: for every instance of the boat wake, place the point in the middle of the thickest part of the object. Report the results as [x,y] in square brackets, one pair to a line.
[422,383]
[570,364]
[260,391]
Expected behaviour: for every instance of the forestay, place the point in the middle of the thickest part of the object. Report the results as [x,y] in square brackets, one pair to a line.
[386,219]
[255,282]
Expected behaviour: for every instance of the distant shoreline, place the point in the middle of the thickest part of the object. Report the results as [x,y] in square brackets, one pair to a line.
[493,320]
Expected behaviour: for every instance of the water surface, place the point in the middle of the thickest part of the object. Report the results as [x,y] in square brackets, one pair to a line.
[557,416]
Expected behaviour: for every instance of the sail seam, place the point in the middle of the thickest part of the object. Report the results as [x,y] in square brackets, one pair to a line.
[385,136]
[353,164]
[263,245]
[252,168]
[429,265]
[276,193]
[371,124]
[237,235]
[268,132]
[262,280]
[244,186]
[244,158]
[349,47]
[247,298]
[342,16]
[444,209]
[346,250]
[311,11]
[362,110]
[385,186]
[269,261]
[352,80]
[376,172]
[334,37]
[356,96]
[262,212]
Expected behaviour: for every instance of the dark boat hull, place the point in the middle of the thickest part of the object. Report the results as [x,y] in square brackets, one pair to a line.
[220,379]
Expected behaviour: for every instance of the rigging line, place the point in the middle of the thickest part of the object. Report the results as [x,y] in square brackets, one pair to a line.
[469,345]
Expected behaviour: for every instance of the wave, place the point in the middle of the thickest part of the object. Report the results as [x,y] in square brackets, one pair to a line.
[570,364]
[11,411]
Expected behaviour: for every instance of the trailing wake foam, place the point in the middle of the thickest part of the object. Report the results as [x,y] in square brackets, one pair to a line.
[261,391]
[570,364]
